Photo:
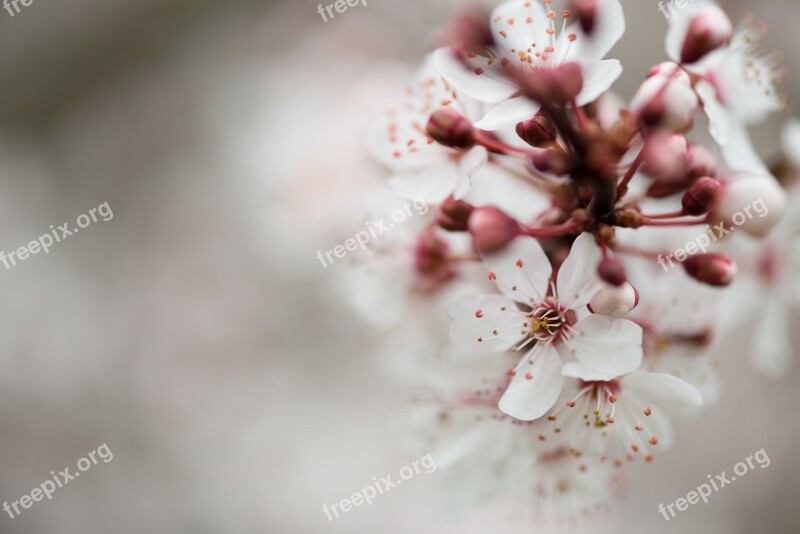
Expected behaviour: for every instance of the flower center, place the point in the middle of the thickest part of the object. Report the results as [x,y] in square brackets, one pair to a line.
[549,321]
[432,262]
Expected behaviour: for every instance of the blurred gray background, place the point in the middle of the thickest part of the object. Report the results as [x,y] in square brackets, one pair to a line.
[196,334]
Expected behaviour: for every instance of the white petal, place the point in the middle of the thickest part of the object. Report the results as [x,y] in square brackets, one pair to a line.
[469,164]
[577,277]
[790,142]
[697,370]
[521,270]
[771,353]
[740,154]
[511,18]
[719,119]
[480,87]
[530,398]
[389,148]
[432,184]
[679,20]
[671,393]
[598,77]
[576,370]
[607,344]
[499,313]
[507,114]
[609,28]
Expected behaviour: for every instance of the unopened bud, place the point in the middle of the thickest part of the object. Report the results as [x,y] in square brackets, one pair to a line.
[454,215]
[753,203]
[701,162]
[614,301]
[558,86]
[712,269]
[669,107]
[538,131]
[709,29]
[569,82]
[612,271]
[667,188]
[449,128]
[586,11]
[628,218]
[431,259]
[491,228]
[701,196]
[552,160]
[469,33]
[666,156]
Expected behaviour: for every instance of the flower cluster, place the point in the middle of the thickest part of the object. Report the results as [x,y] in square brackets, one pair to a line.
[569,352]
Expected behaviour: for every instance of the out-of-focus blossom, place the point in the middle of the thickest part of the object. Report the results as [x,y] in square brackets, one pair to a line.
[736,83]
[526,34]
[399,140]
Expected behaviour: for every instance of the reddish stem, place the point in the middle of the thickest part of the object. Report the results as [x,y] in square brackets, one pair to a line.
[498,146]
[671,215]
[623,186]
[583,121]
[628,249]
[686,222]
[551,231]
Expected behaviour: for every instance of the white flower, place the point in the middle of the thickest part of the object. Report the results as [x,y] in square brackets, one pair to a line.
[525,33]
[423,168]
[482,453]
[526,316]
[619,418]
[769,280]
[737,87]
[558,491]
[678,324]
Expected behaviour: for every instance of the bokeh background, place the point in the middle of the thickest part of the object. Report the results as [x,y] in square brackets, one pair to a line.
[197,334]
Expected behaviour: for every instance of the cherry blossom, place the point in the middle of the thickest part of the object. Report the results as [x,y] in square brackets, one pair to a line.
[422,168]
[527,33]
[539,318]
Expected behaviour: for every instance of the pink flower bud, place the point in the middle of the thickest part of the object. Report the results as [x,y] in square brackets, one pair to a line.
[469,33]
[559,85]
[701,196]
[615,301]
[491,228]
[431,260]
[708,30]
[669,107]
[751,202]
[454,215]
[666,156]
[712,269]
[667,188]
[701,162]
[538,131]
[586,11]
[551,160]
[449,128]
[612,271]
